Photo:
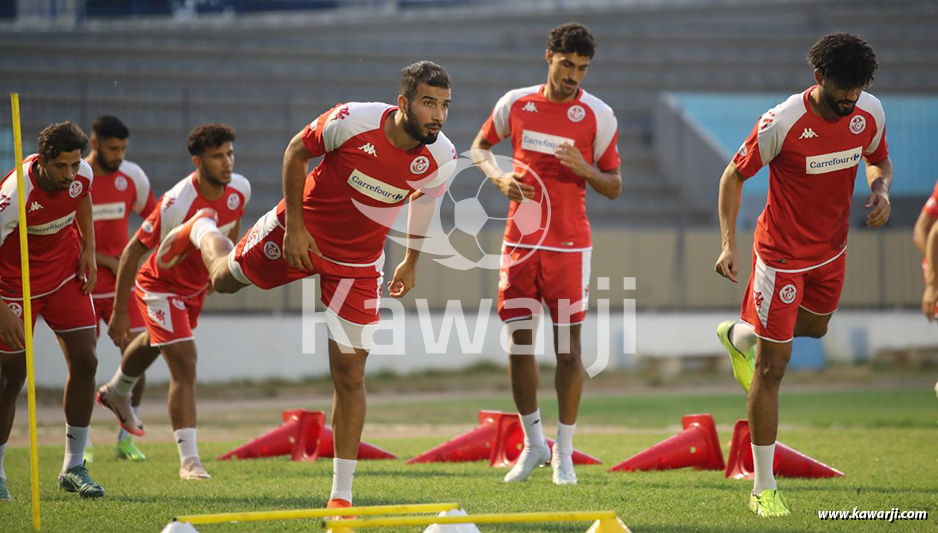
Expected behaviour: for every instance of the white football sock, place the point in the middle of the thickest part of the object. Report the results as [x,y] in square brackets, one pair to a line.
[123,384]
[343,473]
[565,438]
[201,228]
[185,442]
[121,435]
[742,336]
[762,458]
[533,431]
[3,451]
[75,440]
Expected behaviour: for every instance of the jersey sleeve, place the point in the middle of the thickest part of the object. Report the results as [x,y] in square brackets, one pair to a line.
[498,125]
[9,209]
[760,147]
[144,201]
[605,147]
[319,135]
[931,206]
[149,232]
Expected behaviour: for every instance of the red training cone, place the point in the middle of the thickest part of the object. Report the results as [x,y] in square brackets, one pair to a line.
[282,439]
[365,450]
[788,462]
[509,441]
[474,445]
[697,446]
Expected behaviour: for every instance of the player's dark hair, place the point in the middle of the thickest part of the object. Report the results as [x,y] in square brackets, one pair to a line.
[209,136]
[572,37]
[61,137]
[845,59]
[426,72]
[109,127]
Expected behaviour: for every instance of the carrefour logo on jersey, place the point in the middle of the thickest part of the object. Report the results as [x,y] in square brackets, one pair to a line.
[822,164]
[542,142]
[376,189]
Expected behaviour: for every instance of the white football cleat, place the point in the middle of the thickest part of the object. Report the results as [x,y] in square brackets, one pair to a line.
[531,457]
[562,465]
[122,409]
[192,469]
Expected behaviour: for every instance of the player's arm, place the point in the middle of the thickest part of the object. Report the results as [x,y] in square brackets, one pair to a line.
[731,189]
[297,242]
[87,266]
[483,157]
[930,297]
[608,183]
[879,176]
[419,215]
[107,261]
[921,230]
[119,327]
[11,326]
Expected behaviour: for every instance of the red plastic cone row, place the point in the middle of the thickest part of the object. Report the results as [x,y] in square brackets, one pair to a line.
[788,461]
[697,446]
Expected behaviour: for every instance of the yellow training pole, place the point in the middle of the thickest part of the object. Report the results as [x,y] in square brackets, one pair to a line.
[507,518]
[316,513]
[27,310]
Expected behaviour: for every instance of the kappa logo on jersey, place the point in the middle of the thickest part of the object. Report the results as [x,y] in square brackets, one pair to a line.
[234,201]
[822,164]
[271,250]
[419,165]
[857,124]
[120,183]
[757,298]
[35,206]
[178,304]
[16,308]
[576,113]
[787,294]
[808,133]
[75,189]
[369,149]
[376,189]
[530,107]
[341,114]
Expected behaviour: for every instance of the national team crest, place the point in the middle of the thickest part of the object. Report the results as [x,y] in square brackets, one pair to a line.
[178,304]
[419,165]
[272,251]
[857,124]
[16,308]
[787,294]
[576,113]
[75,189]
[234,201]
[120,183]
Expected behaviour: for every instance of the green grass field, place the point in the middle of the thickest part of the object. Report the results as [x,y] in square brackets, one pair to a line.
[885,442]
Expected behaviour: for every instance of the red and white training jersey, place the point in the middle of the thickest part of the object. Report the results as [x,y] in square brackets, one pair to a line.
[931,205]
[812,169]
[53,236]
[353,196]
[189,277]
[537,126]
[113,197]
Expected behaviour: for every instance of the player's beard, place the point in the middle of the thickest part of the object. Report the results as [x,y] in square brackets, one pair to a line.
[413,128]
[107,165]
[834,105]
[216,179]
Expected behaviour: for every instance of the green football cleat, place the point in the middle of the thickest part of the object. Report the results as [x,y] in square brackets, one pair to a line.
[78,480]
[89,454]
[769,503]
[126,449]
[744,364]
[4,491]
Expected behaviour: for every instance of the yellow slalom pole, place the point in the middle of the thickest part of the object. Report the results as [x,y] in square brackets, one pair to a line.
[316,513]
[507,518]
[27,310]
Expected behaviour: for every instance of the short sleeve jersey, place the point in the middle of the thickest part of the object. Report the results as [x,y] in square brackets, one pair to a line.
[813,165]
[189,277]
[50,222]
[114,196]
[537,126]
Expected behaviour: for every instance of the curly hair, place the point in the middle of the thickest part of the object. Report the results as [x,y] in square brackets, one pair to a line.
[426,72]
[845,59]
[61,137]
[209,136]
[572,37]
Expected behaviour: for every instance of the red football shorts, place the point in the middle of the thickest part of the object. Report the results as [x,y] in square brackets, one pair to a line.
[559,279]
[168,318]
[64,309]
[104,308]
